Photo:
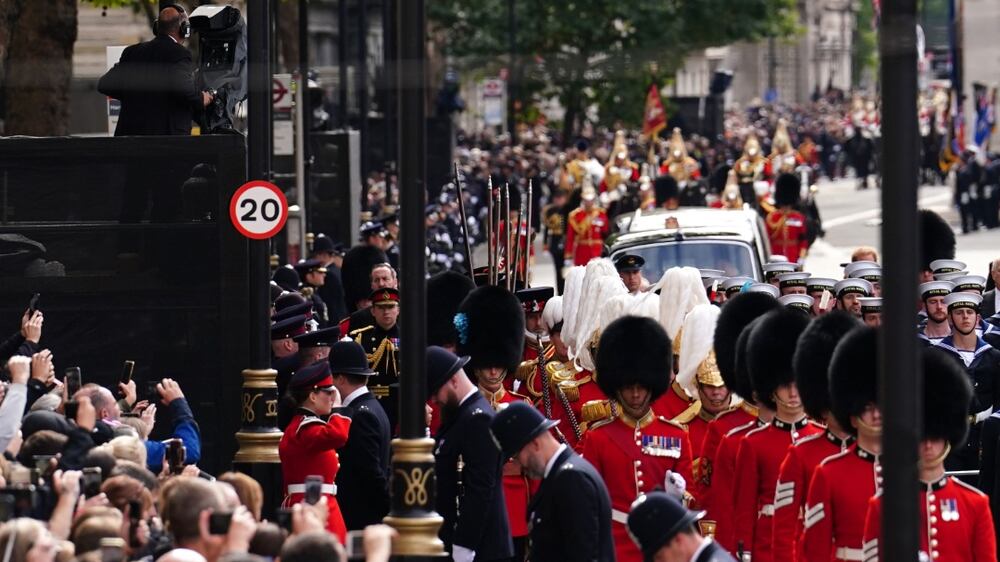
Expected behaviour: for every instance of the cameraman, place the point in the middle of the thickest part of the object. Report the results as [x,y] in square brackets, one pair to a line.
[155,81]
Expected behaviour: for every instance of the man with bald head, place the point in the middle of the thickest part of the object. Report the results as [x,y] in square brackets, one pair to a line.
[155,81]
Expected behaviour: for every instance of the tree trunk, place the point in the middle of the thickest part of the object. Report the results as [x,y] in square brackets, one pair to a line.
[39,67]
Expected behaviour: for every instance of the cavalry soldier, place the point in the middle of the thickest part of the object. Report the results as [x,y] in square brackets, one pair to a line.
[783,158]
[537,348]
[982,366]
[749,168]
[770,347]
[833,520]
[810,363]
[717,469]
[570,514]
[380,339]
[492,333]
[619,171]
[587,226]
[955,518]
[786,226]
[678,164]
[582,169]
[636,451]
[313,275]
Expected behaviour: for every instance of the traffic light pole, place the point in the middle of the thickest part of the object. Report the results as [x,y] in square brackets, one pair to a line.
[901,374]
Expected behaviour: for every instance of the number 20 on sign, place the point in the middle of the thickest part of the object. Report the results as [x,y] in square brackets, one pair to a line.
[258,210]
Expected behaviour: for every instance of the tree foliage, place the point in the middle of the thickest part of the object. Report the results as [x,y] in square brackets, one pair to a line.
[595,51]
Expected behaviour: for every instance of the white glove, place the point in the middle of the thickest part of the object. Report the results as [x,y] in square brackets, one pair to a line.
[674,484]
[462,554]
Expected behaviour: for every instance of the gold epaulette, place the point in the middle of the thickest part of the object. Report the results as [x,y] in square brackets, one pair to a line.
[672,422]
[689,413]
[558,372]
[571,389]
[750,408]
[520,396]
[596,410]
[525,370]
[361,330]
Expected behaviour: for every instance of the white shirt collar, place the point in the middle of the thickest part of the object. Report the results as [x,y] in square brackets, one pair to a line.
[471,393]
[552,461]
[701,548]
[350,397]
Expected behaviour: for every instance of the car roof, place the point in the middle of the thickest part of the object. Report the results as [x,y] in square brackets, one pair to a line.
[693,222]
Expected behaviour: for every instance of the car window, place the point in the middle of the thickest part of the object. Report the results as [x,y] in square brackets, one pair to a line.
[730,256]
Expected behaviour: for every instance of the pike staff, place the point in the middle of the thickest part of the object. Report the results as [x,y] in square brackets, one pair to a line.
[465,223]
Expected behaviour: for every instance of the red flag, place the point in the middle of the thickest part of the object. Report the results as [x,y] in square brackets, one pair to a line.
[654,117]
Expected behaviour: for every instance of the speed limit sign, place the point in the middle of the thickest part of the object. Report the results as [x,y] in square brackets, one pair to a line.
[258,210]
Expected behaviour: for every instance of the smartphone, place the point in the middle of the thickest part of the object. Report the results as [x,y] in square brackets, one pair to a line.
[355,545]
[127,369]
[91,480]
[218,522]
[43,464]
[21,501]
[175,455]
[70,408]
[314,488]
[73,381]
[134,516]
[33,304]
[152,394]
[283,517]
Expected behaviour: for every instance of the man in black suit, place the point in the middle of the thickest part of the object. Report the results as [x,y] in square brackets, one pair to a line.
[363,479]
[468,464]
[665,531]
[570,514]
[155,81]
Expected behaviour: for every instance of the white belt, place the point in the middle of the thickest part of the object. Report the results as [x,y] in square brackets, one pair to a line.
[619,516]
[844,553]
[766,510]
[328,489]
[981,416]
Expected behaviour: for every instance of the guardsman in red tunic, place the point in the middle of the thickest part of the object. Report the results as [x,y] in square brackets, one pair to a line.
[770,347]
[309,445]
[833,520]
[811,361]
[786,226]
[586,228]
[717,468]
[637,451]
[955,519]
[536,342]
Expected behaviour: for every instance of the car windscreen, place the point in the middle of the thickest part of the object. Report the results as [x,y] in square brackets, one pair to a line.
[733,257]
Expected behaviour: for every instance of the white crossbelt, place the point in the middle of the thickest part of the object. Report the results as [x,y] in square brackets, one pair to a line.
[982,416]
[328,489]
[619,516]
[844,553]
[766,510]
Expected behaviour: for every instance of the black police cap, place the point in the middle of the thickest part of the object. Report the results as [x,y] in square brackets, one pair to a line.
[441,366]
[655,519]
[516,425]
[347,357]
[325,337]
[629,262]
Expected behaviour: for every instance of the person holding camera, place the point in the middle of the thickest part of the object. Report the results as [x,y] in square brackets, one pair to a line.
[155,81]
[309,445]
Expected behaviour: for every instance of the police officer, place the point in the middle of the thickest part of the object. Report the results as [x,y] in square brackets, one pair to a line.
[569,515]
[313,275]
[665,531]
[363,480]
[380,341]
[284,348]
[468,464]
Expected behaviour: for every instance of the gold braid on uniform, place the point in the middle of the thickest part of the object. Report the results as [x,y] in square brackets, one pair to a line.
[307,292]
[386,347]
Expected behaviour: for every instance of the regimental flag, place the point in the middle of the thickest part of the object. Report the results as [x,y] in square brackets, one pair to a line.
[985,118]
[654,117]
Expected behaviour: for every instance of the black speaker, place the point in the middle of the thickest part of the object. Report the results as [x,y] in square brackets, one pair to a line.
[721,81]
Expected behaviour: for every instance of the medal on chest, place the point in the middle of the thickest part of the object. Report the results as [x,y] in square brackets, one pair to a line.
[949,509]
[661,446]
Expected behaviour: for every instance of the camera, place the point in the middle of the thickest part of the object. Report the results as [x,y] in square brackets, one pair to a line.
[222,62]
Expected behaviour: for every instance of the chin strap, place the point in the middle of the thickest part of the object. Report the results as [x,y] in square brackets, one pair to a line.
[937,461]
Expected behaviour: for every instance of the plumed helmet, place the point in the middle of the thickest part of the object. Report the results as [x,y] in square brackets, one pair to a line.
[947,395]
[552,314]
[445,292]
[571,303]
[786,190]
[937,239]
[811,361]
[681,289]
[355,273]
[735,315]
[490,325]
[854,375]
[770,349]
[634,350]
[696,344]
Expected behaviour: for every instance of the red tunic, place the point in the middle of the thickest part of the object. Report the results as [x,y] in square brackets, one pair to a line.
[673,402]
[758,461]
[790,494]
[515,485]
[633,458]
[586,391]
[585,234]
[834,520]
[308,448]
[718,504]
[786,230]
[960,527]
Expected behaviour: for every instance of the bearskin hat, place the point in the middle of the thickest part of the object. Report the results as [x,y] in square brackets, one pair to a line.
[741,374]
[937,239]
[770,348]
[665,188]
[445,292]
[947,395]
[811,362]
[786,190]
[490,326]
[854,375]
[634,350]
[735,315]
[355,273]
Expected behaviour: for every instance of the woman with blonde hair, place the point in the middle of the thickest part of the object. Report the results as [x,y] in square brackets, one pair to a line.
[26,540]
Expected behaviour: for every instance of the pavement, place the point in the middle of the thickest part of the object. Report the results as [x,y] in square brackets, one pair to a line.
[851,218]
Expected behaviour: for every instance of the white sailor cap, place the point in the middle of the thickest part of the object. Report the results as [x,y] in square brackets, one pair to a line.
[852,285]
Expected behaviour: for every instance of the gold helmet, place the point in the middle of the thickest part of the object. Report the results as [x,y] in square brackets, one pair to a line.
[708,372]
[781,142]
[751,147]
[678,151]
[731,197]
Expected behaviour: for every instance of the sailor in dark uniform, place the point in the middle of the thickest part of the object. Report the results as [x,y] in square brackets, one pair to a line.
[380,340]
[659,523]
[363,480]
[569,517]
[313,275]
